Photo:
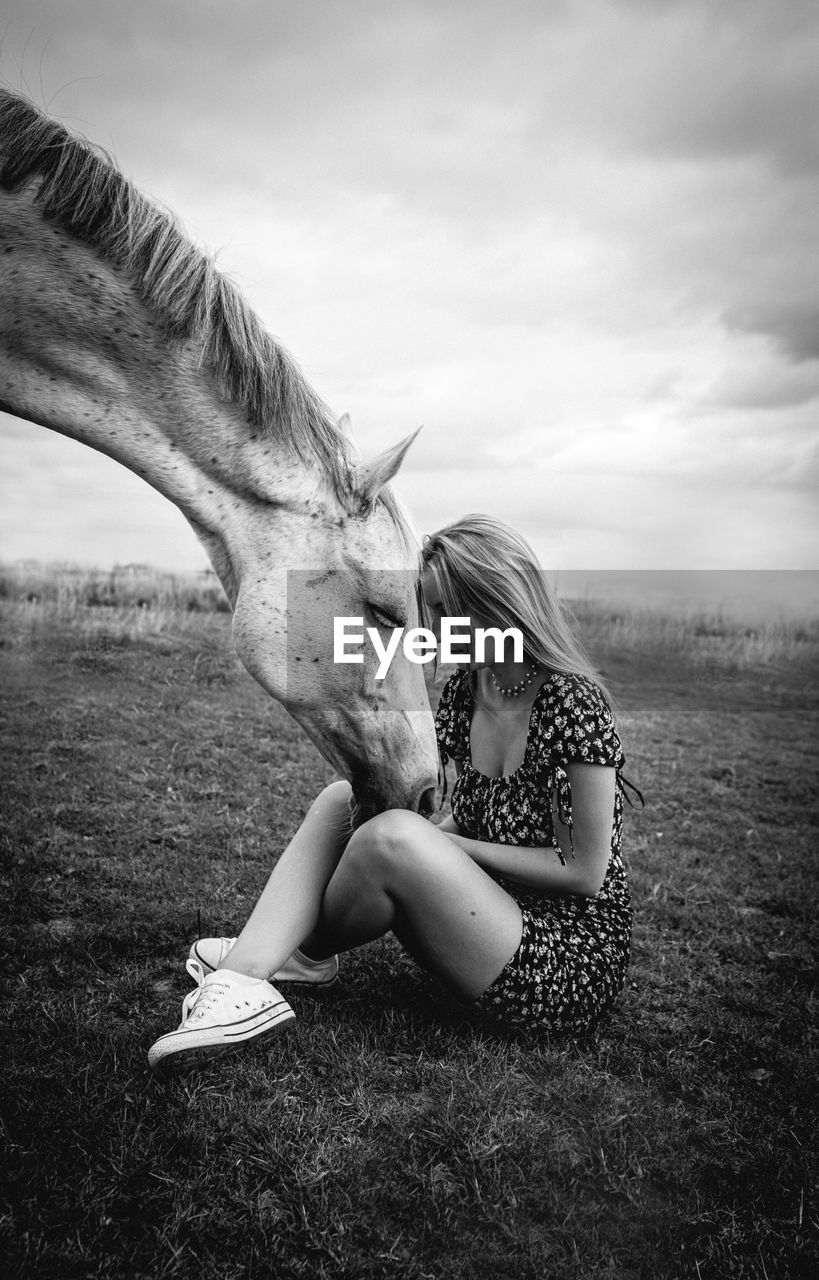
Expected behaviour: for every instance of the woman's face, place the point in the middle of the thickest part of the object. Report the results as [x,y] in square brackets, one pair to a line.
[435,607]
[432,600]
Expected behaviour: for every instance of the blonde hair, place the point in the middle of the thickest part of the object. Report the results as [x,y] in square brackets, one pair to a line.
[482,567]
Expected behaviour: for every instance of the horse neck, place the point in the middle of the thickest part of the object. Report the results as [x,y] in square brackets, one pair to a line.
[81,354]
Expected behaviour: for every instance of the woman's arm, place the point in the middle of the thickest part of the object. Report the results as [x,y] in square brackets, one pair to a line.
[449,825]
[593,790]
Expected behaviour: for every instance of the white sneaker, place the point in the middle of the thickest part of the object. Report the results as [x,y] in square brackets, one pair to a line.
[210,952]
[225,1011]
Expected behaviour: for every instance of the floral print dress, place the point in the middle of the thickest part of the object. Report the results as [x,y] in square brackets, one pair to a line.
[573,954]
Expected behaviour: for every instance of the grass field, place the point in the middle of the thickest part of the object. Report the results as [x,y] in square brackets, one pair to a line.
[148,785]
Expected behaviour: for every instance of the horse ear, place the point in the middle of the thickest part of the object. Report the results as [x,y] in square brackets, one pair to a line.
[372,476]
[344,423]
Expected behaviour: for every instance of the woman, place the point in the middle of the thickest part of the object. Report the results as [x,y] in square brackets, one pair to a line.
[518,902]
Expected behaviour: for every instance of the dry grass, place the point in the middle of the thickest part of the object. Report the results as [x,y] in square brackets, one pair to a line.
[701,638]
[129,602]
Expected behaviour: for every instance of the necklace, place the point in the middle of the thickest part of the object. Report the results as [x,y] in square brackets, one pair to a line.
[515,690]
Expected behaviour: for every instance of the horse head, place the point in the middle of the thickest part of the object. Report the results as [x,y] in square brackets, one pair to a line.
[355,558]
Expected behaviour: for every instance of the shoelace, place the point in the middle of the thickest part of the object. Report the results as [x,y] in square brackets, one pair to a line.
[196,970]
[196,1002]
[207,991]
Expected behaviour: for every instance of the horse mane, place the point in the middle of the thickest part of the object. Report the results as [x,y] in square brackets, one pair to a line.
[80,188]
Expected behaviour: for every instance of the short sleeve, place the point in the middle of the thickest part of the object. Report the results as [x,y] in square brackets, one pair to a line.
[577,726]
[452,720]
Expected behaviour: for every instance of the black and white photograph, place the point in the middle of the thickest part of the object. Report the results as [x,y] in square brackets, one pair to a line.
[409,639]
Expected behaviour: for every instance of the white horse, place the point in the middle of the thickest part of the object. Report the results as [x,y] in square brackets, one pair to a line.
[117,332]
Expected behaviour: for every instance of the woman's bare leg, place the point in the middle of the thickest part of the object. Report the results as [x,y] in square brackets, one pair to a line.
[289,905]
[331,891]
[401,873]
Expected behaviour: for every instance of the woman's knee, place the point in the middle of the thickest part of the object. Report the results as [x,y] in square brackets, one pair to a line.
[390,838]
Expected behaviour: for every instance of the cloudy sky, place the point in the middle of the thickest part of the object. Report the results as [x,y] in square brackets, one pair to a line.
[577,240]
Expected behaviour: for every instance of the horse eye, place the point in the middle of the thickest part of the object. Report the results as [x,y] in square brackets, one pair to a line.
[383,619]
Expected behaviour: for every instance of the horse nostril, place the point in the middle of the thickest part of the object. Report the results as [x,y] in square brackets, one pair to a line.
[426,805]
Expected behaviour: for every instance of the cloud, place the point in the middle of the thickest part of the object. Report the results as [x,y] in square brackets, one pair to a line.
[765,383]
[617,522]
[699,81]
[577,243]
[794,326]
[61,501]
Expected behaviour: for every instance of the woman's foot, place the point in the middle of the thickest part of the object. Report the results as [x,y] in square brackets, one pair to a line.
[226,1011]
[209,953]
